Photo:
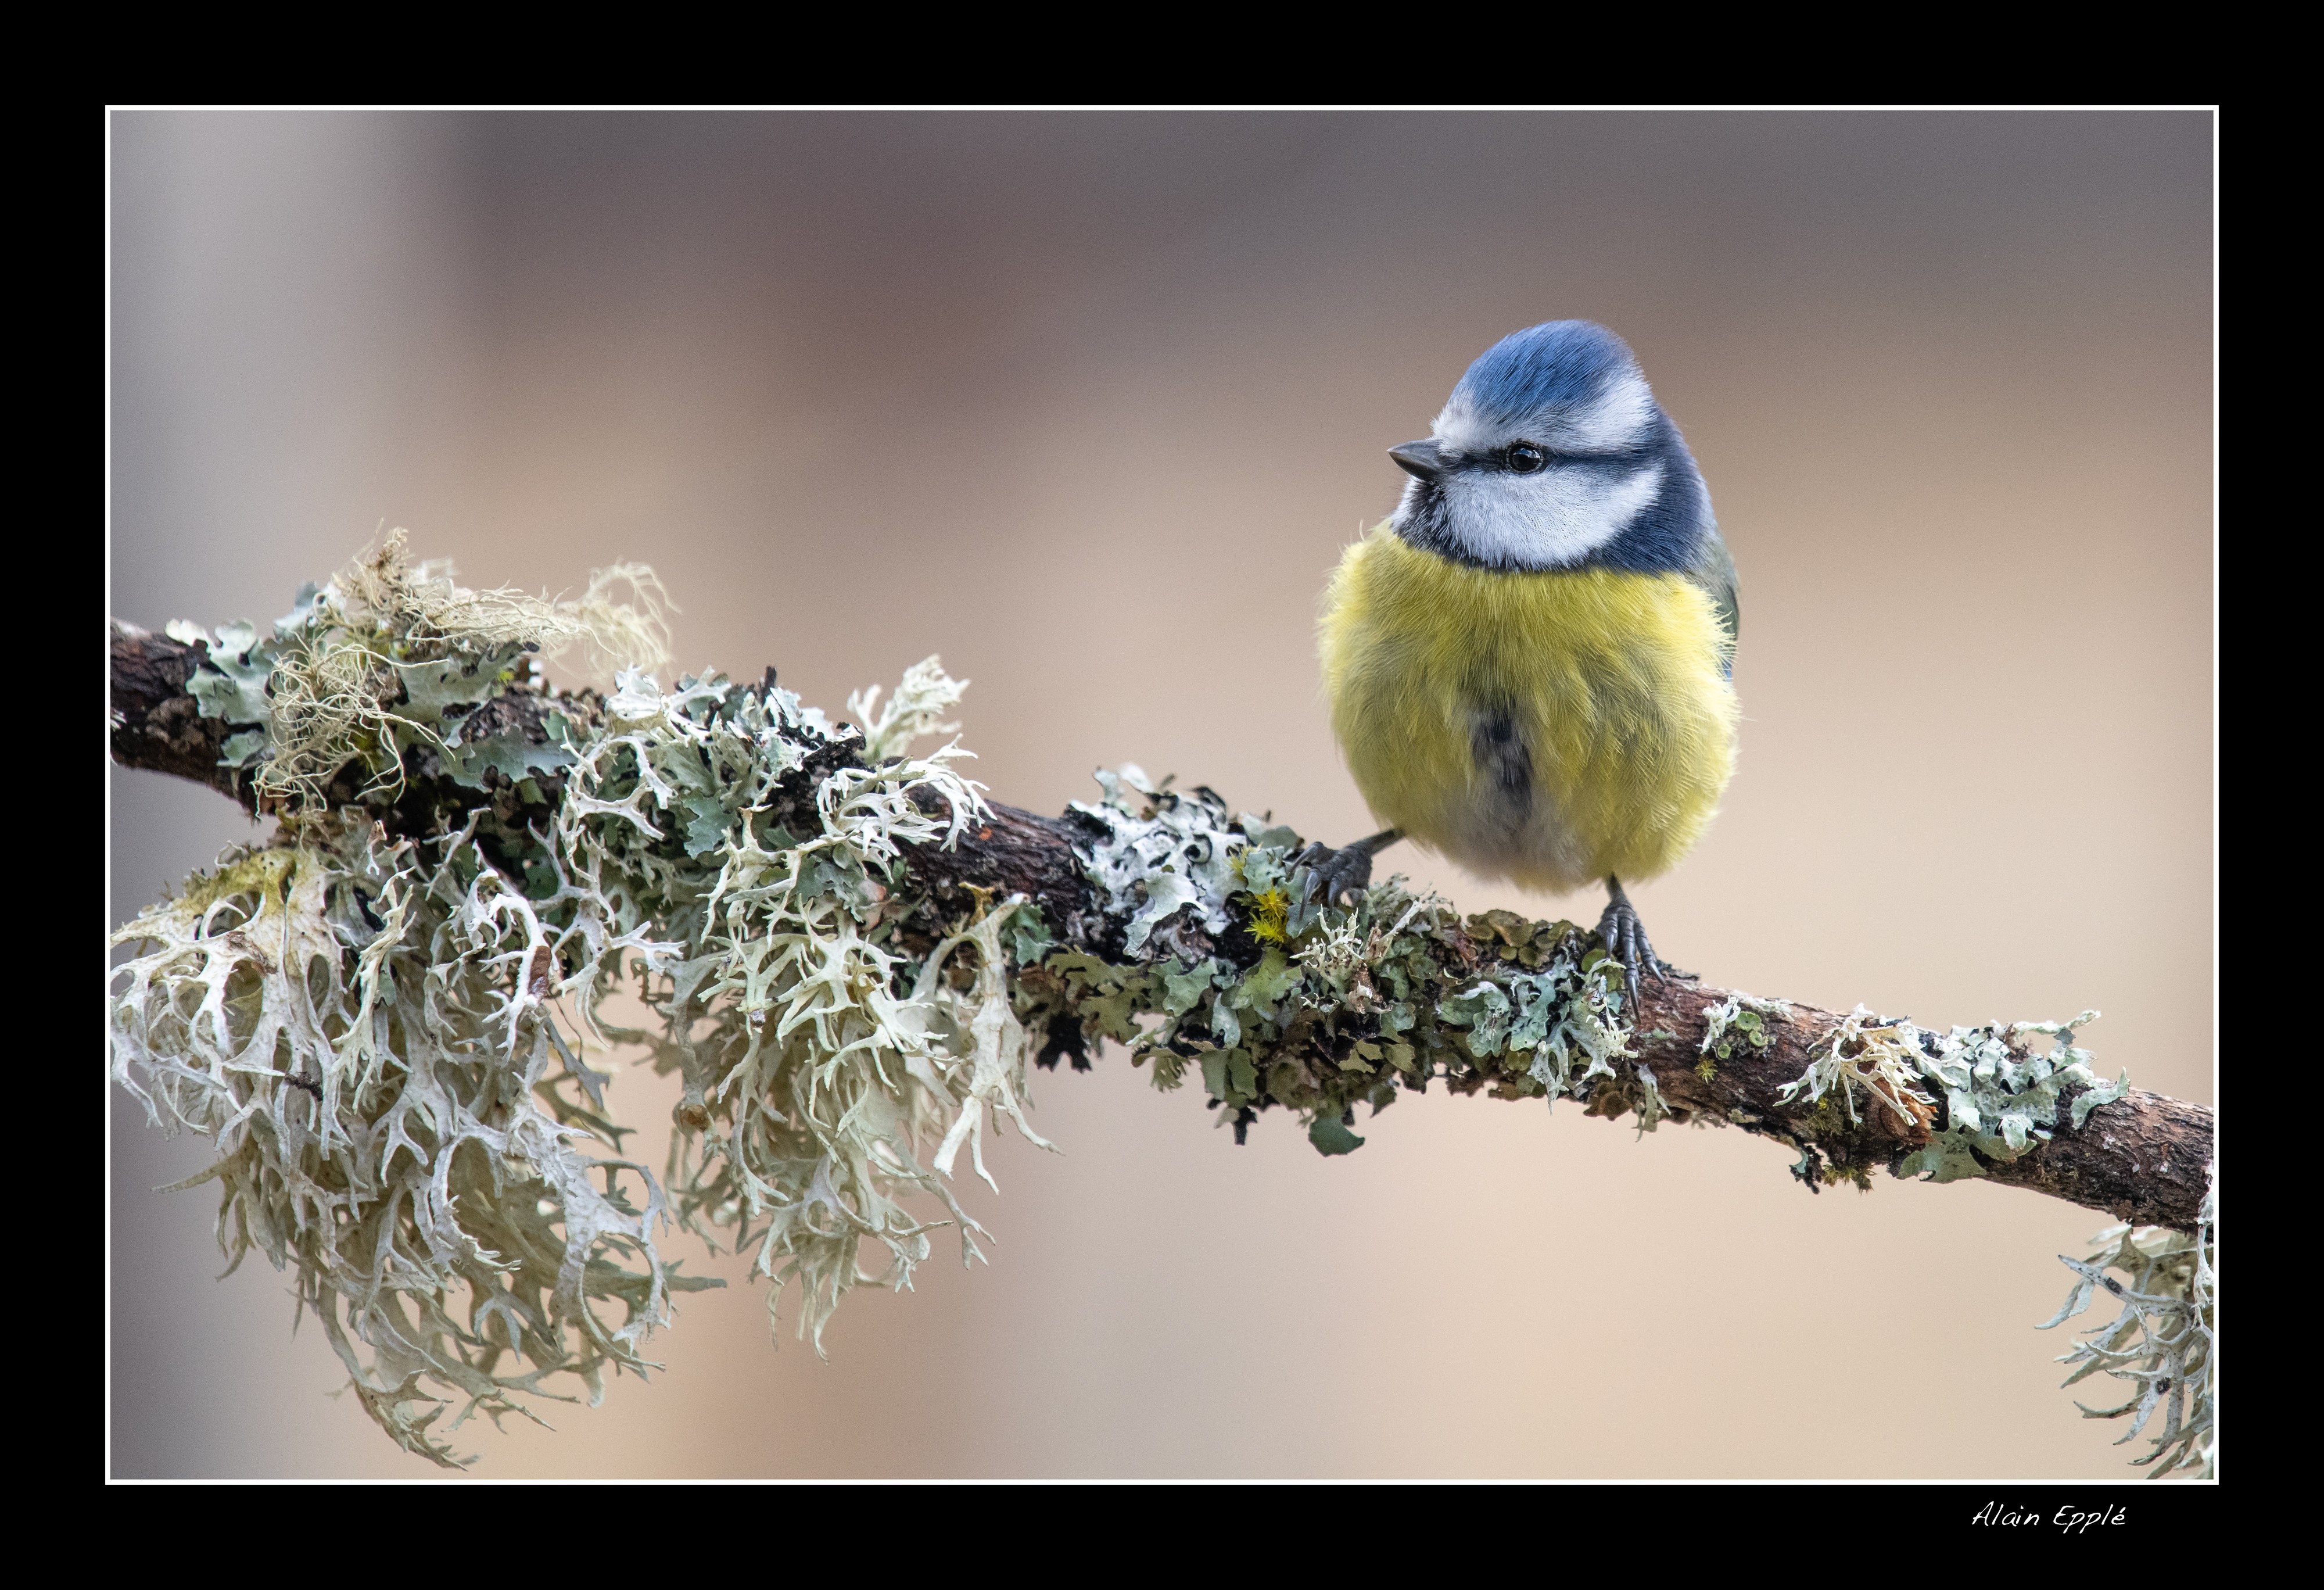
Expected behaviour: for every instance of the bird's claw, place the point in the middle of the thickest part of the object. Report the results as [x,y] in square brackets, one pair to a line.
[1624,938]
[1339,875]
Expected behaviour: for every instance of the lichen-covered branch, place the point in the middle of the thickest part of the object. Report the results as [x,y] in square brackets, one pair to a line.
[381,1019]
[2141,1157]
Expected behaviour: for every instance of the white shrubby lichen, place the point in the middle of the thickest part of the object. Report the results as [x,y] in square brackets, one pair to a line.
[383,1039]
[913,713]
[2164,1340]
[812,1083]
[1863,1056]
[363,1034]
[813,1075]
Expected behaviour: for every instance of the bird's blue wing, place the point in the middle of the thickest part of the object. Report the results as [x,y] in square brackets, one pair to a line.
[1714,571]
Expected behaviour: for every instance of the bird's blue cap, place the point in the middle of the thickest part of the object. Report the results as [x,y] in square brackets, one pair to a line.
[1556,362]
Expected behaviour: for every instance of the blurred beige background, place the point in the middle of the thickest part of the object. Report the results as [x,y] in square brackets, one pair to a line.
[1089,404]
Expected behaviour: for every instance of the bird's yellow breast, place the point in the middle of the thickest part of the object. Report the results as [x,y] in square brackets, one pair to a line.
[1548,727]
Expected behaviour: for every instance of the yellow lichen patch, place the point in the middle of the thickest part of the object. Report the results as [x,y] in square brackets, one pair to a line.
[260,875]
[1270,911]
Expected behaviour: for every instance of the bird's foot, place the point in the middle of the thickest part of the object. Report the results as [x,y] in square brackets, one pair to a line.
[1339,875]
[1624,938]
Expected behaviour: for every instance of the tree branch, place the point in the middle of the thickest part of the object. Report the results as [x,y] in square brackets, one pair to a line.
[2143,1158]
[156,724]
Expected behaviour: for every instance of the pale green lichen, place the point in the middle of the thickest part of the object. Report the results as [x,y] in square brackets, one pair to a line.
[819,1055]
[1998,1095]
[383,1039]
[2001,1096]
[1864,1056]
[1737,1025]
[922,697]
[1286,1001]
[390,655]
[362,1033]
[2164,1340]
[1167,852]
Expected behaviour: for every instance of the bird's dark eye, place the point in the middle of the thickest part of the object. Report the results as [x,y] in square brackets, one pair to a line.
[1525,457]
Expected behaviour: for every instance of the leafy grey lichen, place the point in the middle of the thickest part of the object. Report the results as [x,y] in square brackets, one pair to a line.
[1314,1007]
[2164,1341]
[2001,1096]
[1161,855]
[390,655]
[1567,1014]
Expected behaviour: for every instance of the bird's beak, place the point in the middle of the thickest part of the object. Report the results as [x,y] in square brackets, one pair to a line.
[1422,458]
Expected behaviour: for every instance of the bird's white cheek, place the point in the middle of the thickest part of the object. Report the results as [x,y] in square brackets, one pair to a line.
[1559,517]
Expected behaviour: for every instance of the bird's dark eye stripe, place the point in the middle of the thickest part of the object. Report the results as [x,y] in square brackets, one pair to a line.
[1523,457]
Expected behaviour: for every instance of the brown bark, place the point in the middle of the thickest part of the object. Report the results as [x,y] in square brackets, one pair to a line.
[2143,1158]
[155,724]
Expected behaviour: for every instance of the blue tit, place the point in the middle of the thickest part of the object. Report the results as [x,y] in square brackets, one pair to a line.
[1530,661]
